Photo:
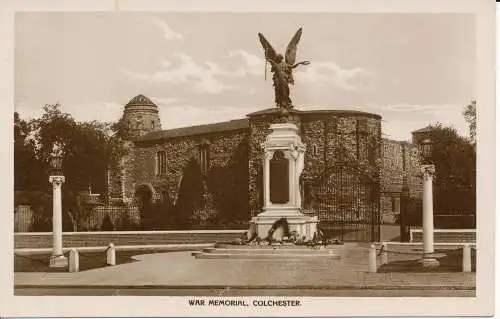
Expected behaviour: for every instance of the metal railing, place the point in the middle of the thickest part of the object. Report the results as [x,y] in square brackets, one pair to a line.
[109,217]
[382,250]
[438,231]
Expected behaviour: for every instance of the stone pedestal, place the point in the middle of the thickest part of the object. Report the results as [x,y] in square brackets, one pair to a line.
[57,260]
[283,164]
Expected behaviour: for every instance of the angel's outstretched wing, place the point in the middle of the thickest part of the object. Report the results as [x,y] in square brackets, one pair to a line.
[291,49]
[268,49]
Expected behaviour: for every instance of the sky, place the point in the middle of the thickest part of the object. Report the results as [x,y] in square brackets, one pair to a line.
[412,69]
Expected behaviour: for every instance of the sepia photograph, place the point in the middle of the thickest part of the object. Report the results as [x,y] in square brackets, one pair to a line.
[253,162]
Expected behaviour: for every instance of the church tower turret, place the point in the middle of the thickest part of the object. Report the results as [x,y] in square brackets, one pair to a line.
[140,117]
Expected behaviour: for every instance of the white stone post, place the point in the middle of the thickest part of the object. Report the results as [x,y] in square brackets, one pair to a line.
[111,255]
[74,260]
[384,257]
[57,259]
[428,216]
[372,258]
[466,261]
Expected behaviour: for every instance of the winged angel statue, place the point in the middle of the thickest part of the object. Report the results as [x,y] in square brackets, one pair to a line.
[282,69]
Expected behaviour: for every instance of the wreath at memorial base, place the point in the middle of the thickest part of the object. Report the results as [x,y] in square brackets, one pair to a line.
[282,222]
[289,237]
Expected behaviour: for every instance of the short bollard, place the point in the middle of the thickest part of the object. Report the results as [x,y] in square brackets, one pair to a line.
[466,259]
[372,259]
[74,261]
[111,255]
[384,257]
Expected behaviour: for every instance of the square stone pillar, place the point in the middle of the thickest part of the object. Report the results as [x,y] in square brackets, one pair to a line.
[283,147]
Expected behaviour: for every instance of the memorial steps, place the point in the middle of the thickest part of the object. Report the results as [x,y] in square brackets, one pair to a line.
[283,252]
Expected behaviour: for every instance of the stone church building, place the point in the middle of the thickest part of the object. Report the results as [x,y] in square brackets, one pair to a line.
[352,175]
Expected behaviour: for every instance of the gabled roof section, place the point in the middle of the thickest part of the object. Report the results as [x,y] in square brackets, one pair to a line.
[233,125]
[423,130]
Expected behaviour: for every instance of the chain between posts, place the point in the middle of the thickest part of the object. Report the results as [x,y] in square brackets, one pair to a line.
[383,249]
[39,260]
[93,256]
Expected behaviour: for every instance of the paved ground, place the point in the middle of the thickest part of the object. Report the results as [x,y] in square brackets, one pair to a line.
[389,232]
[181,271]
[92,291]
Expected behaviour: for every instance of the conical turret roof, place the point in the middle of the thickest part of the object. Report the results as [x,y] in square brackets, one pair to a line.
[140,100]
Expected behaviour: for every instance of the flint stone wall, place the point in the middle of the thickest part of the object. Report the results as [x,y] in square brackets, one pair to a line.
[399,159]
[325,134]
[227,175]
[236,159]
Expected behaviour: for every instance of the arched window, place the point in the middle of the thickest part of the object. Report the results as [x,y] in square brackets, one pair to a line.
[152,124]
[161,163]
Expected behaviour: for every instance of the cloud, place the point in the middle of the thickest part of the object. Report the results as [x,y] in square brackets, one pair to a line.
[108,111]
[168,33]
[400,119]
[183,115]
[163,101]
[252,64]
[202,78]
[331,73]
[165,63]
[433,112]
[408,108]
[27,111]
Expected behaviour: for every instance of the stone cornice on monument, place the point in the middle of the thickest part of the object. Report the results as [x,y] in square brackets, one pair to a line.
[314,113]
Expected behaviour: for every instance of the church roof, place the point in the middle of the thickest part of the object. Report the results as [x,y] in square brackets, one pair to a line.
[423,130]
[233,125]
[315,112]
[196,130]
[140,100]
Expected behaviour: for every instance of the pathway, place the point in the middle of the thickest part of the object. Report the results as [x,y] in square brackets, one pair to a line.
[180,269]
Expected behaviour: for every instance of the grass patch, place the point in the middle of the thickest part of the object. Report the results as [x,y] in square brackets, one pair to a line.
[451,262]
[87,260]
